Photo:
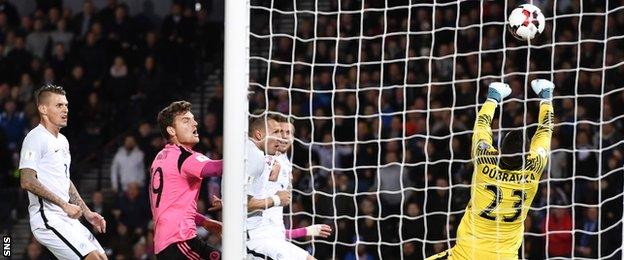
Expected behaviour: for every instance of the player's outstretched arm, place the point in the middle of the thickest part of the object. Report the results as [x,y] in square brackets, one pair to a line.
[29,182]
[540,143]
[497,91]
[94,218]
[321,230]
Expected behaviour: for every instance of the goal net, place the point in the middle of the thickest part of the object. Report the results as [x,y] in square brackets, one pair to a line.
[383,95]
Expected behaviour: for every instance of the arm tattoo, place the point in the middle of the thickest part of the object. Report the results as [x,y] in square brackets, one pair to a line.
[29,182]
[74,198]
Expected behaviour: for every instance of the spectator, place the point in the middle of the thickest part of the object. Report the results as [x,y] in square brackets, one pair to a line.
[93,119]
[62,36]
[558,161]
[122,29]
[588,242]
[26,89]
[99,206]
[77,88]
[215,105]
[360,253]
[391,178]
[37,40]
[81,23]
[119,84]
[121,243]
[127,166]
[146,20]
[49,78]
[59,61]
[560,221]
[140,250]
[12,16]
[134,209]
[18,59]
[13,123]
[91,56]
[107,14]
[149,84]
[329,157]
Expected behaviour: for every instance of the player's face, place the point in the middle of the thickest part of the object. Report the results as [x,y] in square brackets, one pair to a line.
[286,131]
[56,109]
[185,128]
[273,137]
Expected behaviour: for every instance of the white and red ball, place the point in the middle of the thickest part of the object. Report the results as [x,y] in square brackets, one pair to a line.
[526,21]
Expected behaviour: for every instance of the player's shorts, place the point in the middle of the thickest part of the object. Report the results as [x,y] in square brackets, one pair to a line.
[260,246]
[67,239]
[457,252]
[193,249]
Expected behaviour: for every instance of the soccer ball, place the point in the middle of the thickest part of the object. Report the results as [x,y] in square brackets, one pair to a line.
[526,21]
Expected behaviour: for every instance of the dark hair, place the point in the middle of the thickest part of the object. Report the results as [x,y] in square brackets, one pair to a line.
[513,148]
[42,93]
[168,114]
[257,120]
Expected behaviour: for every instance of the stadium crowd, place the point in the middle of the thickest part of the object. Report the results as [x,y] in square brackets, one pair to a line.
[412,120]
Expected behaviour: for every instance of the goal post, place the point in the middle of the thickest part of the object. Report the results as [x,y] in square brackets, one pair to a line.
[236,82]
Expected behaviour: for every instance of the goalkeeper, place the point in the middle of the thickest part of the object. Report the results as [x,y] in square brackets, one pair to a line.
[504,185]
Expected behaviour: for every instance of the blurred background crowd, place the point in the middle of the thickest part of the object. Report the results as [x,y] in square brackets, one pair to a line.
[412,99]
[119,67]
[377,110]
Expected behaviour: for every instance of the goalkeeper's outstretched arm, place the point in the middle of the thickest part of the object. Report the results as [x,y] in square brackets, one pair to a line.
[482,127]
[540,143]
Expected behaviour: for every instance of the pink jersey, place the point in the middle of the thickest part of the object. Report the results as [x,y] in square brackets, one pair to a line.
[176,176]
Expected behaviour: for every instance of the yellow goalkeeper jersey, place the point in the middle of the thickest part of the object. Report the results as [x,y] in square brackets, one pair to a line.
[493,225]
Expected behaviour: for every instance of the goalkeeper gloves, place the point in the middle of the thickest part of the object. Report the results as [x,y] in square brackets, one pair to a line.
[497,91]
[543,88]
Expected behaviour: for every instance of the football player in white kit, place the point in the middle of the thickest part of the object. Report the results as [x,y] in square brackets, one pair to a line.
[266,231]
[55,204]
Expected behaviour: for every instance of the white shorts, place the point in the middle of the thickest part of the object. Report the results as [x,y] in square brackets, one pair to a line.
[67,239]
[261,246]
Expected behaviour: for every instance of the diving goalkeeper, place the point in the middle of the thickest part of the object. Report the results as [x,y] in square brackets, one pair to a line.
[503,186]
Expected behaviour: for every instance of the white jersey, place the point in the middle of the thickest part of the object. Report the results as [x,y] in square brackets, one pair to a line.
[275,215]
[49,157]
[254,169]
[261,188]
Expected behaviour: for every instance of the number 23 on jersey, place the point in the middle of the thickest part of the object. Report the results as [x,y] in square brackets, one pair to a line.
[498,197]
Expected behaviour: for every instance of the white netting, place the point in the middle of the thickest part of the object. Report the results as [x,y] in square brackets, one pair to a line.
[384,96]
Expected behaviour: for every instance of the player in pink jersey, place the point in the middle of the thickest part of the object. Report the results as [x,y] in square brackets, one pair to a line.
[176,176]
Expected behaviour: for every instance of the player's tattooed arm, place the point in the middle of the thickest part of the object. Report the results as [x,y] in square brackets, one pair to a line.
[29,182]
[74,198]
